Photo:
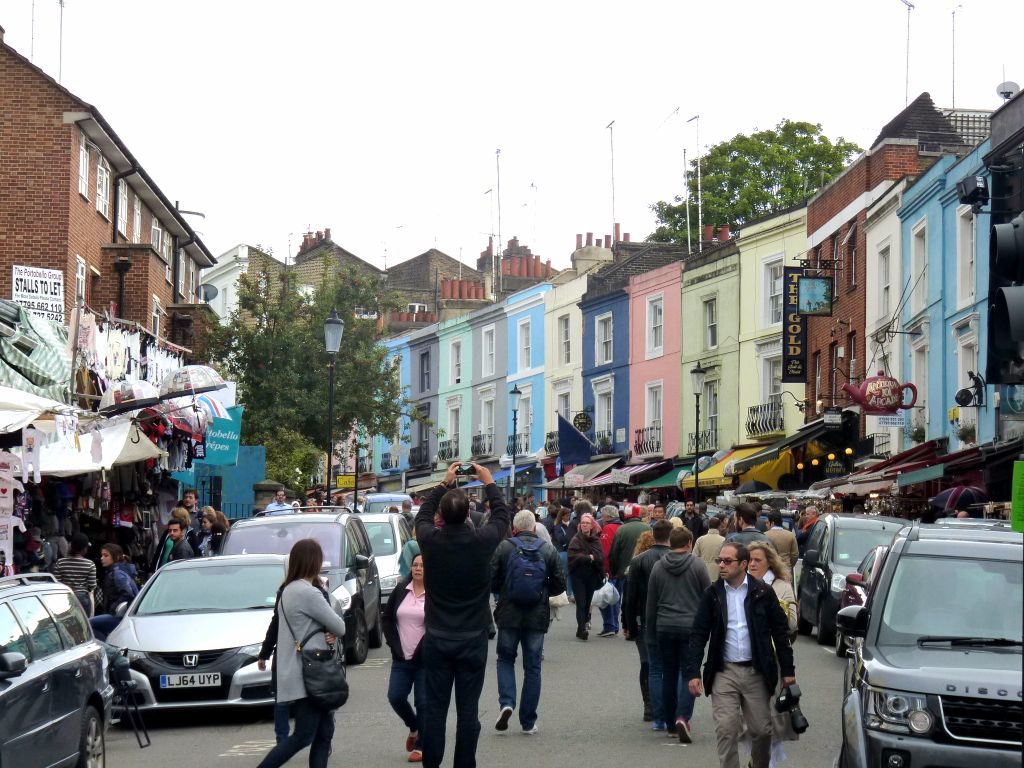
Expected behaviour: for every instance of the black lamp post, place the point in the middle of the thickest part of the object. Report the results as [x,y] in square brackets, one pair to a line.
[697,375]
[334,327]
[514,397]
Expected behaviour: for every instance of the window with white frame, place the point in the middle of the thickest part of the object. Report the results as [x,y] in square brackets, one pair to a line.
[455,359]
[711,406]
[603,334]
[604,413]
[772,382]
[655,325]
[487,416]
[103,187]
[967,352]
[654,404]
[425,371]
[817,375]
[564,341]
[122,207]
[156,235]
[454,415]
[80,273]
[773,291]
[83,167]
[920,374]
[562,404]
[711,322]
[137,220]
[487,363]
[525,412]
[884,281]
[167,249]
[157,313]
[919,267]
[966,233]
[181,273]
[523,345]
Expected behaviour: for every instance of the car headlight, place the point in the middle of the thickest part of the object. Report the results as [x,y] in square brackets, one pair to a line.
[135,655]
[343,597]
[250,650]
[838,582]
[897,712]
[389,582]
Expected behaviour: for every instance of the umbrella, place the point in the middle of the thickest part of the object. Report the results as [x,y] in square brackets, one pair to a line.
[958,497]
[189,419]
[190,380]
[753,486]
[124,396]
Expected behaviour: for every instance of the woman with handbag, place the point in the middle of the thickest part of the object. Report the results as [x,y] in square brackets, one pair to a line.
[586,570]
[403,631]
[307,628]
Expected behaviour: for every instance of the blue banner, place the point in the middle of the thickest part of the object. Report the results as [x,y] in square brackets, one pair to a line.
[573,446]
[222,438]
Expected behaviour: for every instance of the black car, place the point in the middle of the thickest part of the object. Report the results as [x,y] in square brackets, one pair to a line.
[349,569]
[836,545]
[54,693]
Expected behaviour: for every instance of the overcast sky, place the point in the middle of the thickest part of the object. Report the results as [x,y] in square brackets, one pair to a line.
[381,120]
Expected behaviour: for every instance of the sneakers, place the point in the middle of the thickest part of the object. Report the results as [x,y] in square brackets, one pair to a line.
[503,717]
[410,741]
[683,731]
[608,633]
[416,756]
[658,725]
[531,731]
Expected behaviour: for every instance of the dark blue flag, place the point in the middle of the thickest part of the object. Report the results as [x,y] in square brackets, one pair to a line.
[573,446]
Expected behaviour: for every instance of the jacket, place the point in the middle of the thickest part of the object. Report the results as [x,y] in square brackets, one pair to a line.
[785,544]
[696,525]
[766,623]
[707,548]
[509,615]
[457,560]
[580,563]
[678,580]
[181,551]
[305,609]
[561,535]
[607,535]
[119,586]
[389,622]
[621,552]
[634,600]
[747,536]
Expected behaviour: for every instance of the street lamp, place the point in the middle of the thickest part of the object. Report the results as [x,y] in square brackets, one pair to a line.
[334,327]
[697,375]
[514,396]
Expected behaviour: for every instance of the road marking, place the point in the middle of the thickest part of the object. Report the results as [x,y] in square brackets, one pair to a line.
[371,664]
[249,749]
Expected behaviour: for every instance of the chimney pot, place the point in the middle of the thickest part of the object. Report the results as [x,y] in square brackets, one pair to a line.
[618,228]
[579,241]
[590,239]
[709,231]
[723,233]
[547,267]
[607,241]
[537,267]
[327,233]
[625,238]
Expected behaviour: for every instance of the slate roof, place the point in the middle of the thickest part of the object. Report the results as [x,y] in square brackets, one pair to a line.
[920,120]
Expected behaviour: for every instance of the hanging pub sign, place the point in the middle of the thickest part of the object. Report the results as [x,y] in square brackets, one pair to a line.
[832,418]
[814,296]
[39,291]
[835,468]
[881,394]
[794,337]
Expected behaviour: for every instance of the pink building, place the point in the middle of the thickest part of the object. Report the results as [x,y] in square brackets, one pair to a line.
[655,350]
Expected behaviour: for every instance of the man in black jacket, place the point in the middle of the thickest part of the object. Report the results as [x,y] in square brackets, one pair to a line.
[456,559]
[522,621]
[743,618]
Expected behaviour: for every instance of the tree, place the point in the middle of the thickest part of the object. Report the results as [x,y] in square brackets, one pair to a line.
[750,177]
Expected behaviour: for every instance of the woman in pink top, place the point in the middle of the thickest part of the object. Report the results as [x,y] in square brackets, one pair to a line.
[403,631]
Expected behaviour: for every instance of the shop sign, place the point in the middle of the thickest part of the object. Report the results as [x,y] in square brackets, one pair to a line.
[833,418]
[573,478]
[835,468]
[620,476]
[222,438]
[893,420]
[881,394]
[794,337]
[39,291]
[345,482]
[814,296]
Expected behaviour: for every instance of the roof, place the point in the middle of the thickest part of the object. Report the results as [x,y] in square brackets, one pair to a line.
[921,121]
[431,257]
[329,248]
[970,530]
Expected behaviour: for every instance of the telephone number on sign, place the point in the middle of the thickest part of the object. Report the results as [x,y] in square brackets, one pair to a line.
[42,306]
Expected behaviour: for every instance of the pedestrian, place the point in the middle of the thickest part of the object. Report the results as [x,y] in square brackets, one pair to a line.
[119,586]
[162,550]
[746,525]
[624,543]
[657,513]
[403,619]
[525,572]
[278,506]
[749,646]
[302,611]
[693,519]
[586,570]
[678,581]
[457,559]
[708,546]
[176,547]
[190,503]
[610,524]
[634,605]
[560,538]
[784,541]
[212,536]
[804,526]
[767,565]
[78,573]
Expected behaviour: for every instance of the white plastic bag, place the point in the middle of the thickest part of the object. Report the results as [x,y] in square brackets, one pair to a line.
[606,596]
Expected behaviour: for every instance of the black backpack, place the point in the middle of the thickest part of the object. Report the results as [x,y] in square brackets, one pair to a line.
[526,572]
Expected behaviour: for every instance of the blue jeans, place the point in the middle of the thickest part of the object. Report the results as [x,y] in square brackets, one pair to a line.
[675,693]
[532,641]
[564,558]
[104,624]
[282,720]
[654,677]
[314,728]
[610,613]
[408,677]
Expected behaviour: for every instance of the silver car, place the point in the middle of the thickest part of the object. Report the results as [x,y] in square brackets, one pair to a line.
[388,533]
[193,633]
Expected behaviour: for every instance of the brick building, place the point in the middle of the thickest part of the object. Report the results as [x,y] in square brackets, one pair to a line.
[73,198]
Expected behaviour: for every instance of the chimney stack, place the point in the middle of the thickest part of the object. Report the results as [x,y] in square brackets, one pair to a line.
[625,238]
[607,241]
[579,241]
[327,233]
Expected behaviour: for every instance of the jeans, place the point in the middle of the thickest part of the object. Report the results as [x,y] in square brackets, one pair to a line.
[408,676]
[460,662]
[104,624]
[584,592]
[533,649]
[610,613]
[282,720]
[564,558]
[677,701]
[654,678]
[314,728]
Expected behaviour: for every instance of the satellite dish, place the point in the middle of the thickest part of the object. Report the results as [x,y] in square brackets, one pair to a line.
[207,292]
[1008,90]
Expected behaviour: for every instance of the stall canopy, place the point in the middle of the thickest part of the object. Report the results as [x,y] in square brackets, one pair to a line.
[581,473]
[620,476]
[668,480]
[19,409]
[120,443]
[425,483]
[880,477]
[770,471]
[715,475]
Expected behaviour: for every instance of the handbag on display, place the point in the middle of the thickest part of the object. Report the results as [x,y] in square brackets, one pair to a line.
[323,670]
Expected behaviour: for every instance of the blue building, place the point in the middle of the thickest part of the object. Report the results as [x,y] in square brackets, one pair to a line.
[606,365]
[393,456]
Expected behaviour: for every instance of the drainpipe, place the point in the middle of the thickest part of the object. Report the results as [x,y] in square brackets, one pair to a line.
[117,200]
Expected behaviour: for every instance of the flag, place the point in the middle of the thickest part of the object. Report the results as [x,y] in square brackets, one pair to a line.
[573,446]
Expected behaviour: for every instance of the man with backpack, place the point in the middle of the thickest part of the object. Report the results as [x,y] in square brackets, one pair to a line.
[525,572]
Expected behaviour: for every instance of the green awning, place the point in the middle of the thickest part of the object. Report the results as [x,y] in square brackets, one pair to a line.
[933,472]
[668,480]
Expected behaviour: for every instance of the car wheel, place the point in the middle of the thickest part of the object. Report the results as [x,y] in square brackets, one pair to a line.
[825,636]
[377,633]
[356,653]
[92,749]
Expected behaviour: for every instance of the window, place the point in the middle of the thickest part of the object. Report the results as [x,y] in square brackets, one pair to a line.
[920,374]
[603,326]
[455,358]
[562,406]
[80,272]
[42,630]
[181,274]
[71,622]
[454,417]
[83,167]
[424,371]
[565,345]
[711,408]
[883,282]
[965,255]
[919,267]
[488,345]
[487,416]
[167,250]
[524,345]
[833,356]
[156,236]
[525,413]
[655,325]
[157,312]
[773,285]
[137,221]
[654,402]
[603,413]
[12,638]
[849,250]
[711,321]
[103,187]
[122,207]
[773,380]
[968,354]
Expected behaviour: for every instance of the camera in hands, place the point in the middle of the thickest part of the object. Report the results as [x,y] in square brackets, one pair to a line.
[465,470]
[788,700]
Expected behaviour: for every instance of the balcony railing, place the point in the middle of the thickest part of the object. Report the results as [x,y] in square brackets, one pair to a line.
[518,445]
[365,464]
[647,440]
[419,455]
[388,461]
[448,450]
[551,443]
[483,444]
[875,446]
[765,419]
[705,441]
[604,441]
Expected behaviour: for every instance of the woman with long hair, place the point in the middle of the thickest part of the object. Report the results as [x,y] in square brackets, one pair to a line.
[302,609]
[119,586]
[403,631]
[586,570]
[766,565]
[561,535]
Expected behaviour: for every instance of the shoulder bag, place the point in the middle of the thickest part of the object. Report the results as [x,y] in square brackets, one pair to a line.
[323,671]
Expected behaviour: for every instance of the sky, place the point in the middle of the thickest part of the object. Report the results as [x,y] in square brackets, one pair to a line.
[382,121]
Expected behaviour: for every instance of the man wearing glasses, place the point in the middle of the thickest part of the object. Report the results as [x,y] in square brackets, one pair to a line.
[743,619]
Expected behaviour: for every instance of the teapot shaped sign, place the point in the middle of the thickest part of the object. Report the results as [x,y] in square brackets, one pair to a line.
[880,395]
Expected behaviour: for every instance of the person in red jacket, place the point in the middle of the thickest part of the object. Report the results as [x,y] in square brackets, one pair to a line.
[610,523]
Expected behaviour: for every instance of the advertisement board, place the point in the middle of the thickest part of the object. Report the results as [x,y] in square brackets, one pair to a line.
[40,291]
[794,337]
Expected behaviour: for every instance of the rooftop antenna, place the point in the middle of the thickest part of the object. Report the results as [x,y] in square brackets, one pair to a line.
[60,59]
[497,163]
[953,99]
[906,87]
[611,139]
[494,256]
[700,196]
[32,46]
[534,188]
[686,191]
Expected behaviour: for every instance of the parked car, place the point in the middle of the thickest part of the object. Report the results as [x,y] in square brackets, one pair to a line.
[55,697]
[835,547]
[381,502]
[388,533]
[858,587]
[193,633]
[936,677]
[349,569]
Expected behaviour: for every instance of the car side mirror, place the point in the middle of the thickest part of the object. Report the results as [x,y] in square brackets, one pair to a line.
[853,620]
[12,664]
[121,609]
[811,557]
[855,579]
[362,561]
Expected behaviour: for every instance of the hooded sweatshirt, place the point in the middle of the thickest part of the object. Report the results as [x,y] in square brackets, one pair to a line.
[674,592]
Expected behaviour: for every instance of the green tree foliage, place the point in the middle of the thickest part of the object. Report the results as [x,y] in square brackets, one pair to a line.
[292,459]
[750,177]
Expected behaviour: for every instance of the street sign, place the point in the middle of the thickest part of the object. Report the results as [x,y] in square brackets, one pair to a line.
[582,421]
[573,478]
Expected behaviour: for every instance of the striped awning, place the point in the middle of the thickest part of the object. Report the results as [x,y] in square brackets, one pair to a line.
[621,475]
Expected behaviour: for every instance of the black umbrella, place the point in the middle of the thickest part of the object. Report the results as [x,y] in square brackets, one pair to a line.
[753,486]
[958,497]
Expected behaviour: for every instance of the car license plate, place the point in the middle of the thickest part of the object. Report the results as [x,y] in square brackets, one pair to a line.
[193,680]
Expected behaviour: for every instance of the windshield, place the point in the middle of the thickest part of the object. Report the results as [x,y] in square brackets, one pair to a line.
[977,598]
[853,543]
[382,506]
[382,538]
[279,537]
[212,589]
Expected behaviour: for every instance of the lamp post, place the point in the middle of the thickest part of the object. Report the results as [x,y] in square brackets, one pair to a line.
[334,327]
[514,397]
[697,375]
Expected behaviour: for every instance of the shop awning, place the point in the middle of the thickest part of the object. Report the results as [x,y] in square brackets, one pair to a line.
[881,476]
[770,471]
[581,473]
[814,430]
[425,483]
[120,443]
[18,409]
[668,480]
[715,475]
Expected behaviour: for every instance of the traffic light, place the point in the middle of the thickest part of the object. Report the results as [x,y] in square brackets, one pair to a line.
[1006,277]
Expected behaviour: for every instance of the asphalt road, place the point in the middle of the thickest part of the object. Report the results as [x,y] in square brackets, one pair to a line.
[590,715]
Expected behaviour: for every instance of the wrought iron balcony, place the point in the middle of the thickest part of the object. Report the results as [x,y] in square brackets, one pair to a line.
[604,441]
[388,461]
[448,450]
[518,445]
[483,444]
[765,419]
[875,446]
[551,443]
[365,464]
[647,440]
[705,441]
[419,455]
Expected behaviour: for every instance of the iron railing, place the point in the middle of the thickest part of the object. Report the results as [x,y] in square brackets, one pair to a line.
[518,445]
[551,443]
[876,445]
[604,441]
[419,455]
[365,464]
[647,440]
[765,419]
[389,461]
[705,441]
[483,444]
[448,450]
